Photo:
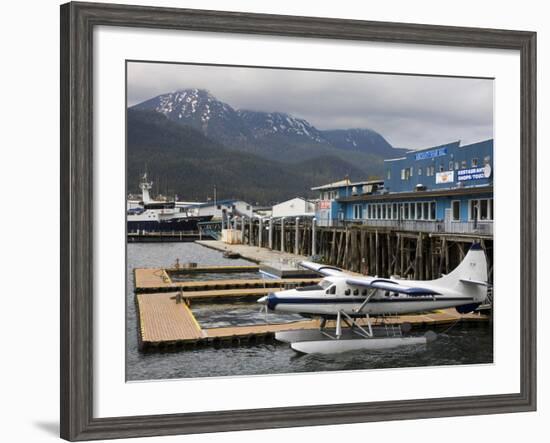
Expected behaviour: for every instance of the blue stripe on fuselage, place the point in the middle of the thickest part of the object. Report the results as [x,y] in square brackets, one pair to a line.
[273,300]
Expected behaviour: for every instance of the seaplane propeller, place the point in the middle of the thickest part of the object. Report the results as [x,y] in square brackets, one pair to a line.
[351,300]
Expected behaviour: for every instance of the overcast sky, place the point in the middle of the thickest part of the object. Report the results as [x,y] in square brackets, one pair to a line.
[409,111]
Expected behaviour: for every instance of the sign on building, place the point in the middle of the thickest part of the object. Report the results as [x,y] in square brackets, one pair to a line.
[324,204]
[445,177]
[474,173]
[440,152]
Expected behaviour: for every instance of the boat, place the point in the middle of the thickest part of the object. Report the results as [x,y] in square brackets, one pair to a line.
[160,215]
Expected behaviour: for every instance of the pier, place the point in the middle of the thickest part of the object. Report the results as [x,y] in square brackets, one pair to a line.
[399,249]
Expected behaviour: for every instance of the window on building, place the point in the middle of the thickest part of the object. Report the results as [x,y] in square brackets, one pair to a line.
[425,211]
[406,211]
[413,211]
[483,209]
[432,210]
[411,172]
[419,171]
[388,175]
[378,212]
[486,160]
[357,212]
[383,211]
[394,211]
[402,174]
[451,165]
[455,205]
[464,164]
[473,210]
[441,167]
[457,166]
[491,213]
[419,211]
[474,162]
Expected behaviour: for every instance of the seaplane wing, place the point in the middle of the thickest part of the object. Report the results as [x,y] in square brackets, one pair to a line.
[326,270]
[389,285]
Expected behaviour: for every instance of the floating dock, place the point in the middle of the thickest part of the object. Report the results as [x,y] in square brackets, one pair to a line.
[164,237]
[165,323]
[159,280]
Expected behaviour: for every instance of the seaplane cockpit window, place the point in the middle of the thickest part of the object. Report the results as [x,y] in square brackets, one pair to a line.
[324,284]
[331,290]
[347,291]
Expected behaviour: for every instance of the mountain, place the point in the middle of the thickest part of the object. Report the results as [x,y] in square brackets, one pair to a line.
[190,164]
[276,136]
[265,124]
[362,140]
[201,110]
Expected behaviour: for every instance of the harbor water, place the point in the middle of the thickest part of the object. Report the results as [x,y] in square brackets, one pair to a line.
[455,345]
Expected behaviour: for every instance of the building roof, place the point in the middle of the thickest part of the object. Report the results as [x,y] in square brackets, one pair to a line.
[217,202]
[295,198]
[346,182]
[419,194]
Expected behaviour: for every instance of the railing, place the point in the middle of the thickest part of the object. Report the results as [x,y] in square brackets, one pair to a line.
[447,227]
[211,229]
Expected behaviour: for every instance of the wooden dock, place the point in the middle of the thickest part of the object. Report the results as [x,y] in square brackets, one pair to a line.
[190,268]
[165,237]
[253,253]
[165,323]
[159,280]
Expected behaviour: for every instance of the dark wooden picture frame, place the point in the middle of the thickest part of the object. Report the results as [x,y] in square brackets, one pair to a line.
[77,23]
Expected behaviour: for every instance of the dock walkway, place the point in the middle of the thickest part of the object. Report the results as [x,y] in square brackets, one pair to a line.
[252,253]
[149,280]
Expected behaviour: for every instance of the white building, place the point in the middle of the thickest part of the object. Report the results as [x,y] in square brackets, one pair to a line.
[229,207]
[296,207]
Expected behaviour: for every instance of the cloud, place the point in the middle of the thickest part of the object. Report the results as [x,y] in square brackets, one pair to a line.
[409,111]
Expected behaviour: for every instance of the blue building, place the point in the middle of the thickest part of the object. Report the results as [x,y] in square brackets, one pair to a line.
[447,188]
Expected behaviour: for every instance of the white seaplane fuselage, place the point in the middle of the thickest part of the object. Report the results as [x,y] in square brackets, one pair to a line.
[349,299]
[464,288]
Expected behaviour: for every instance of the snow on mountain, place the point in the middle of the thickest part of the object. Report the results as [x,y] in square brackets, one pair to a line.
[197,108]
[278,123]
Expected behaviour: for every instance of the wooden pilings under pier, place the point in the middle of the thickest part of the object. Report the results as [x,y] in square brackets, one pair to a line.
[365,249]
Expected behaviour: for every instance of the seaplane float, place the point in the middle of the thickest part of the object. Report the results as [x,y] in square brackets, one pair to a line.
[347,298]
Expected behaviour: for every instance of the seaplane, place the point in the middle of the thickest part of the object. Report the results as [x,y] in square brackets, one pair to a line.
[355,299]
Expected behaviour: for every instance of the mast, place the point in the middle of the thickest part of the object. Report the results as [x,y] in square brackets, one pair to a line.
[145,187]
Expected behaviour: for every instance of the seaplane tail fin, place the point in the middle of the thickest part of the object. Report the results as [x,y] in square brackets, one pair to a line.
[470,276]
